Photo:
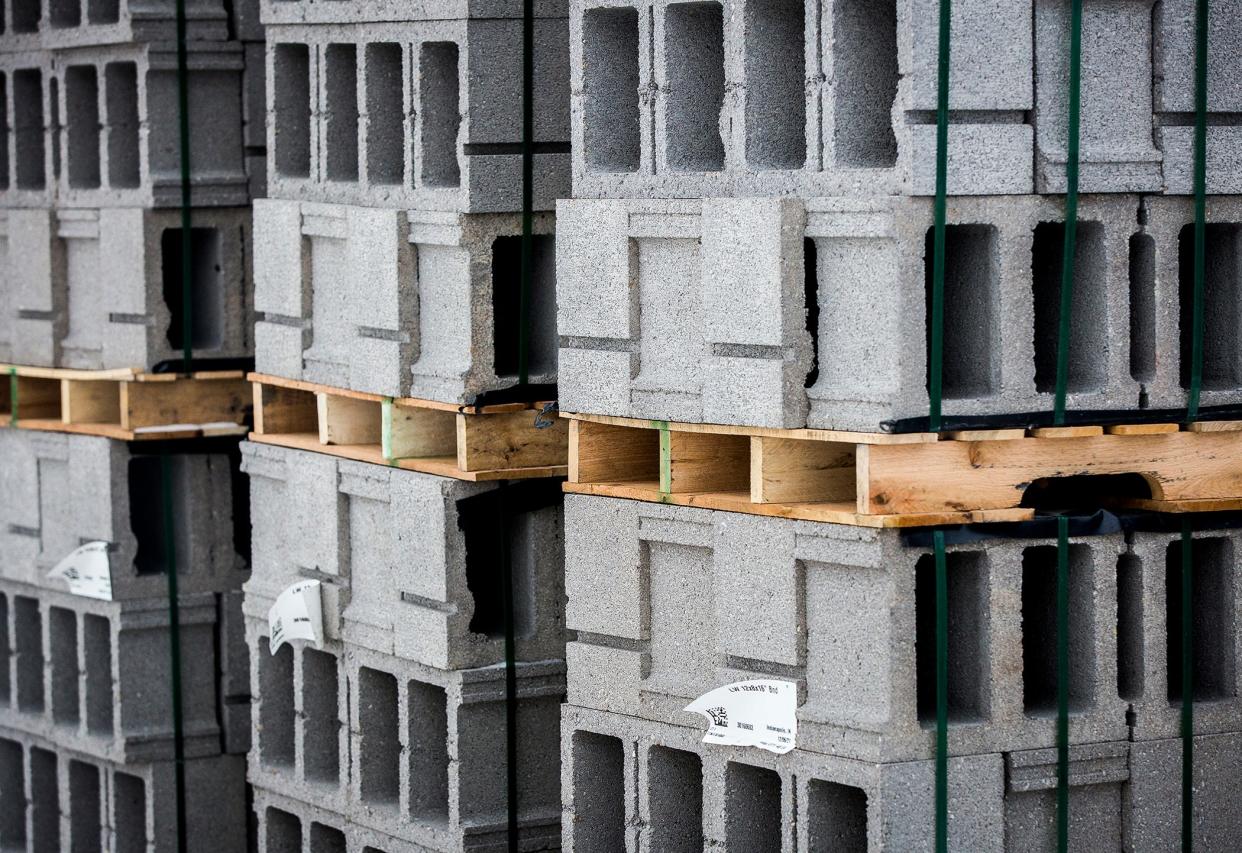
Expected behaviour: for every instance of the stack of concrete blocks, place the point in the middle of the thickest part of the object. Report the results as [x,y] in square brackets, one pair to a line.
[387,256]
[90,180]
[391,733]
[749,243]
[87,736]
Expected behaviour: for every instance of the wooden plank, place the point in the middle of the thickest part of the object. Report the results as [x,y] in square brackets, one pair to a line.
[1215,426]
[278,409]
[605,453]
[37,398]
[708,462]
[796,471]
[184,401]
[1141,429]
[510,440]
[1066,431]
[84,402]
[348,420]
[984,434]
[414,432]
[994,475]
[768,432]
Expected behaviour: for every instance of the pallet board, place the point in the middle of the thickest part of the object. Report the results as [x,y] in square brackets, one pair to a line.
[907,480]
[500,442]
[124,404]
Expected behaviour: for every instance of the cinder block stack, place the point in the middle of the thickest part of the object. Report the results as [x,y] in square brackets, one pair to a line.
[745,267]
[388,265]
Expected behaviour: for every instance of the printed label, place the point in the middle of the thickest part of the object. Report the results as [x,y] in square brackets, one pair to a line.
[296,615]
[86,571]
[760,713]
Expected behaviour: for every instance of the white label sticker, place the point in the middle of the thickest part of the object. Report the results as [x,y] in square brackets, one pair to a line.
[86,571]
[758,713]
[296,615]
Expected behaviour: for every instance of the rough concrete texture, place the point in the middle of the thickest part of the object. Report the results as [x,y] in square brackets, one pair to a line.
[671,602]
[27,176]
[401,303]
[409,562]
[1156,794]
[94,676]
[790,98]
[630,785]
[80,23]
[424,113]
[403,749]
[1099,798]
[53,798]
[698,310]
[62,490]
[102,287]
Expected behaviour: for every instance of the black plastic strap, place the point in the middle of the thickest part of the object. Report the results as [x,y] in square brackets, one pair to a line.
[511,704]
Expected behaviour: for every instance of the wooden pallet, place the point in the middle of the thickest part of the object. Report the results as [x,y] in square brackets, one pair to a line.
[126,404]
[907,480]
[498,442]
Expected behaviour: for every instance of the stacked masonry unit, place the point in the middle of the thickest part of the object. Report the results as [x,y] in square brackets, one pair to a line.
[749,243]
[91,278]
[387,261]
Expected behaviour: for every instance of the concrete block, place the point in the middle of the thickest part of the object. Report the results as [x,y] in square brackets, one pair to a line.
[76,24]
[29,170]
[404,750]
[630,784]
[1153,814]
[670,602]
[420,304]
[38,287]
[420,111]
[1099,774]
[409,562]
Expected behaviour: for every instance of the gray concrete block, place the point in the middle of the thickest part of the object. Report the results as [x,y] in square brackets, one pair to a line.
[65,490]
[77,24]
[670,602]
[37,285]
[630,784]
[29,174]
[404,750]
[94,676]
[400,303]
[1153,814]
[410,562]
[421,111]
[1099,774]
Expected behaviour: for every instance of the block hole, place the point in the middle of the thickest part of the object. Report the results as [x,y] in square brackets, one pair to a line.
[610,81]
[12,796]
[866,75]
[64,13]
[599,792]
[28,648]
[967,579]
[1039,629]
[103,11]
[291,102]
[379,737]
[694,56]
[54,126]
[25,15]
[121,93]
[62,631]
[428,751]
[321,718]
[82,115]
[28,128]
[341,92]
[129,813]
[810,279]
[385,114]
[206,287]
[776,85]
[326,839]
[146,514]
[1142,307]
[6,685]
[97,644]
[507,302]
[438,86]
[1129,627]
[284,832]
[1222,304]
[836,818]
[1088,334]
[675,794]
[970,284]
[1212,628]
[1085,491]
[752,808]
[276,707]
[85,809]
[4,127]
[44,802]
